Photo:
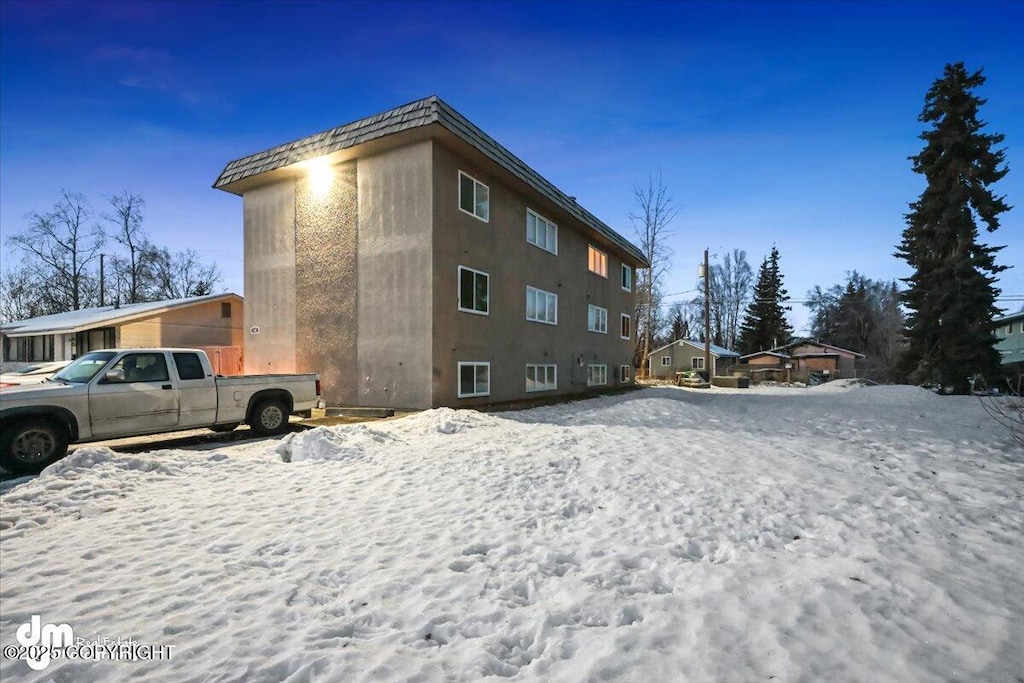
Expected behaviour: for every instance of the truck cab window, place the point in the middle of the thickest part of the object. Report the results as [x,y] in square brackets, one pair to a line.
[189,366]
[139,367]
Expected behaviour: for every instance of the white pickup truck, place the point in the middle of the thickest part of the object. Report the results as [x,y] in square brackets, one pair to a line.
[130,392]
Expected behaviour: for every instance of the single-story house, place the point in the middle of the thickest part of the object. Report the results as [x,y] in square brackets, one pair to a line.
[211,321]
[684,354]
[804,357]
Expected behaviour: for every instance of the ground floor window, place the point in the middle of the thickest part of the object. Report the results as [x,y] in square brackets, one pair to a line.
[94,340]
[697,363]
[666,360]
[623,373]
[38,348]
[597,375]
[474,379]
[541,377]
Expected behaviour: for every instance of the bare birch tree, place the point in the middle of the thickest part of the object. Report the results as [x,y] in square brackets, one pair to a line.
[651,217]
[133,271]
[183,274]
[60,246]
[21,295]
[731,282]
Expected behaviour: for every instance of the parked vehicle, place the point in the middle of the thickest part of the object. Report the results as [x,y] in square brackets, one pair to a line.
[118,393]
[31,374]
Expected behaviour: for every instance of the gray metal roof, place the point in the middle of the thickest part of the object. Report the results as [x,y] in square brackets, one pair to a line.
[1009,317]
[716,350]
[88,318]
[413,115]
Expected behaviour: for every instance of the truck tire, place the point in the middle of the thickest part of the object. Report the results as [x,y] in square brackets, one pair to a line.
[223,429]
[28,446]
[270,417]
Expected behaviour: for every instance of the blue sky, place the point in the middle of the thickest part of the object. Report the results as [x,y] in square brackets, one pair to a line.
[785,123]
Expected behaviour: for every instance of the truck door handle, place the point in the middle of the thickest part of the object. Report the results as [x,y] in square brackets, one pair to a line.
[165,386]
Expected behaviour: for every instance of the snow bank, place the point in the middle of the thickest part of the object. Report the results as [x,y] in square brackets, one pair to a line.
[872,534]
[332,443]
[83,459]
[448,421]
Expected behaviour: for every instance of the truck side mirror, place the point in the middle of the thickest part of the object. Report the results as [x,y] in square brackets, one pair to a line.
[113,377]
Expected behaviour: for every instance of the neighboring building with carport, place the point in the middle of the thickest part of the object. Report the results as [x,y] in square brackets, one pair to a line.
[800,360]
[684,354]
[212,322]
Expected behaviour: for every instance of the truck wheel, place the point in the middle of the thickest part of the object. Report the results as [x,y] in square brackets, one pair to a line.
[269,418]
[230,427]
[27,447]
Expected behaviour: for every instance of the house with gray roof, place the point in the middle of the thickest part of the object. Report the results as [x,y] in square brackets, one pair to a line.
[1010,344]
[685,354]
[210,321]
[413,261]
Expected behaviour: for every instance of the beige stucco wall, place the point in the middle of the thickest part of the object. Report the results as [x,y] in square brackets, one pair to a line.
[269,244]
[504,337]
[326,322]
[395,279]
[198,325]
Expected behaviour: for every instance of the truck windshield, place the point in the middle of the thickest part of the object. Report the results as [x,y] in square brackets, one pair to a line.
[85,368]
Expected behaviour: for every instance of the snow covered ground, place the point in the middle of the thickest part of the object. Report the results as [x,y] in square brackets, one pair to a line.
[837,533]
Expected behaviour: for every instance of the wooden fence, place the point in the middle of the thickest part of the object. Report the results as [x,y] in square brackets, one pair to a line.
[226,360]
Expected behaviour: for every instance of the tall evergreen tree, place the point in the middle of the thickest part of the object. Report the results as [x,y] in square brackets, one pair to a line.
[951,296]
[765,325]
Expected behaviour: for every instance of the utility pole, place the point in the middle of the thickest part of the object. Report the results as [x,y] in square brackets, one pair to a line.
[707,317]
[101,278]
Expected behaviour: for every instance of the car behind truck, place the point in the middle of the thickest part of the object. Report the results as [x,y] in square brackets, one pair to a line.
[131,392]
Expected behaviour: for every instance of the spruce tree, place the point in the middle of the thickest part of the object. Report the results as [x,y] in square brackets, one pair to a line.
[951,296]
[764,324]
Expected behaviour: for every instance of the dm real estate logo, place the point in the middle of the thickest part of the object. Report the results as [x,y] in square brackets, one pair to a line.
[39,640]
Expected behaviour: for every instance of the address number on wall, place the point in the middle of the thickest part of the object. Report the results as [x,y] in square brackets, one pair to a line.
[255,329]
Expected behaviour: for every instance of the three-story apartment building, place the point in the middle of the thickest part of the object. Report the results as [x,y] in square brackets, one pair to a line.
[414,262]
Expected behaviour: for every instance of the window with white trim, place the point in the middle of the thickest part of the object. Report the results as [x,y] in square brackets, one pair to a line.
[625,326]
[597,319]
[627,278]
[541,377]
[597,375]
[541,306]
[666,360]
[474,379]
[474,197]
[697,363]
[597,261]
[623,373]
[473,291]
[540,232]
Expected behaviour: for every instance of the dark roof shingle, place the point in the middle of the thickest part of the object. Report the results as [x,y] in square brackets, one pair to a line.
[413,115]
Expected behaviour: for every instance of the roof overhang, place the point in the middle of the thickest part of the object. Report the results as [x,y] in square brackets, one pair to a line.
[427,118]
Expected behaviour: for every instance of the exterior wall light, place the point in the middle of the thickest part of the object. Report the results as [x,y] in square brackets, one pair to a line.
[321,175]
